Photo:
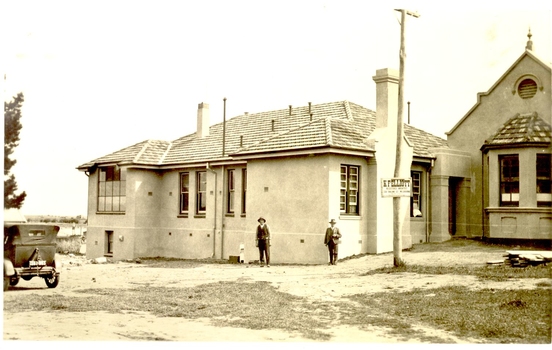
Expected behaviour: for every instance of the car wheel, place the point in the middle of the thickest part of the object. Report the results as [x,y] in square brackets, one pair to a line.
[52,281]
[6,283]
[14,280]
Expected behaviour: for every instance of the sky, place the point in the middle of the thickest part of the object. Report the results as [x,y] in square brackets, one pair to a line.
[99,76]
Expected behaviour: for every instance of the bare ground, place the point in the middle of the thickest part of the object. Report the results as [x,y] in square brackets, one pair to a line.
[315,282]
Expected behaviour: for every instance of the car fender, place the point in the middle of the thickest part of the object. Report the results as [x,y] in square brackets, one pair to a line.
[8,268]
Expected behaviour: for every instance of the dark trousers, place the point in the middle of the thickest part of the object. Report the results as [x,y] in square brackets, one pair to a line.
[332,249]
[264,251]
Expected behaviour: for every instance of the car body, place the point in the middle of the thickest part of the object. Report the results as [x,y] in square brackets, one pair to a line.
[30,251]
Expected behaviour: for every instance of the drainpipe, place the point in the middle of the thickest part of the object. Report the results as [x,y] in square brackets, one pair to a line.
[429,213]
[222,202]
[215,211]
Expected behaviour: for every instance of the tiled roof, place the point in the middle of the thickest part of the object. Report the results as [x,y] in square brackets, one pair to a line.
[422,141]
[145,152]
[337,124]
[522,128]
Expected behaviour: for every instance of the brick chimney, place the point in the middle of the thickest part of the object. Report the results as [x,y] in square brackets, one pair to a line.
[387,97]
[202,120]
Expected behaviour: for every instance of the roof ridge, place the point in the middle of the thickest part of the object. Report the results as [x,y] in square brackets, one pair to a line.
[139,154]
[166,152]
[328,123]
[348,110]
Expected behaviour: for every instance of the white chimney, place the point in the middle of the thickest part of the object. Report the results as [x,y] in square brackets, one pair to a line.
[202,120]
[387,97]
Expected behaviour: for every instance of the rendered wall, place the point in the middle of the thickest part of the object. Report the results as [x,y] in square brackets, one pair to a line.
[486,118]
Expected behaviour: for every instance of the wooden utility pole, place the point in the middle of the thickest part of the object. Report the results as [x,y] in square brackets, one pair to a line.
[397,220]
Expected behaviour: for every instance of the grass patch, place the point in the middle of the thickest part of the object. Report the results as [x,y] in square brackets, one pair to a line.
[497,316]
[487,272]
[68,244]
[246,305]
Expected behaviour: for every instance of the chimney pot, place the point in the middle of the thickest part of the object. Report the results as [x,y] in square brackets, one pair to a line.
[310,105]
[272,124]
[289,109]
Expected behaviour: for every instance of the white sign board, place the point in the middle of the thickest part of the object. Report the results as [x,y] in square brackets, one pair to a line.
[396,187]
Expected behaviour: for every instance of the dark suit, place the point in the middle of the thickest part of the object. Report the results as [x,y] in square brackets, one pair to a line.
[263,241]
[332,240]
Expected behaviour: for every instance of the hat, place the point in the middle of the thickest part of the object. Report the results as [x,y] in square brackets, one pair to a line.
[261,218]
[332,221]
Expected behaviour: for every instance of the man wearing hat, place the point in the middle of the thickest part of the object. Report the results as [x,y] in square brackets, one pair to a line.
[332,240]
[263,241]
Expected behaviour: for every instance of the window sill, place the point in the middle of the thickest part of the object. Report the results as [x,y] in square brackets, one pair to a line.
[199,216]
[349,217]
[229,215]
[544,210]
[243,215]
[110,213]
[182,216]
[108,255]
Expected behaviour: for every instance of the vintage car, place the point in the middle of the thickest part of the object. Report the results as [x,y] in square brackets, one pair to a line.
[30,251]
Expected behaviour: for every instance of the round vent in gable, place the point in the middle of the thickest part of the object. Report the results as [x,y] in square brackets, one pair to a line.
[527,88]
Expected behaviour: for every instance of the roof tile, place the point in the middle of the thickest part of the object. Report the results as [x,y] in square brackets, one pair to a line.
[340,124]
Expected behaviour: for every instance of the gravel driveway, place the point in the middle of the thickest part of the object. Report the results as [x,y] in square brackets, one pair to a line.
[316,282]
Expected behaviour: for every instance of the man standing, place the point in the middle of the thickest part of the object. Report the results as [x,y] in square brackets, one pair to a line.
[332,240]
[263,242]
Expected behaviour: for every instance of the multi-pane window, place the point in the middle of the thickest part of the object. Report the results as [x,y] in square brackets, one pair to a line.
[509,180]
[416,199]
[184,192]
[349,182]
[111,189]
[244,189]
[201,192]
[230,191]
[544,193]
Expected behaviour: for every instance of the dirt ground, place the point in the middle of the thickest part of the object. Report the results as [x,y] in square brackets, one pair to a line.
[320,282]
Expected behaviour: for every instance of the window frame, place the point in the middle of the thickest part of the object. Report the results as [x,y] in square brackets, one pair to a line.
[417,191]
[111,179]
[543,179]
[230,191]
[244,191]
[349,203]
[201,193]
[184,207]
[508,185]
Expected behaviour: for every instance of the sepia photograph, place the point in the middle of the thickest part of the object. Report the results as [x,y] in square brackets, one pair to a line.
[276,173]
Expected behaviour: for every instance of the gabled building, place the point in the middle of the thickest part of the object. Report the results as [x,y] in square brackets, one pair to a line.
[507,136]
[200,196]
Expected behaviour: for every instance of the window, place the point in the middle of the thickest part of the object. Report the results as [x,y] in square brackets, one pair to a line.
[112,189]
[244,189]
[108,242]
[509,180]
[184,192]
[201,192]
[348,199]
[544,194]
[230,192]
[416,199]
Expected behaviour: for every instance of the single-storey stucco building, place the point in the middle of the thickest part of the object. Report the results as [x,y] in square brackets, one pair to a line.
[200,196]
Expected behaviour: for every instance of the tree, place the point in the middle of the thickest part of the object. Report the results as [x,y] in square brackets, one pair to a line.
[12,126]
